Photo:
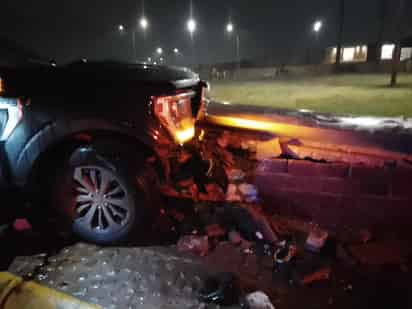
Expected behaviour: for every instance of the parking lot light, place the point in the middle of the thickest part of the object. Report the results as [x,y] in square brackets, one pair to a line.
[230,27]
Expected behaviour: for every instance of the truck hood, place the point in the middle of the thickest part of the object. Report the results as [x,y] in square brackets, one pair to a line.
[28,79]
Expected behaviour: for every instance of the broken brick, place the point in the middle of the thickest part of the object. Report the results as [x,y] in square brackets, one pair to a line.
[320,275]
[316,240]
[21,225]
[215,230]
[235,238]
[198,245]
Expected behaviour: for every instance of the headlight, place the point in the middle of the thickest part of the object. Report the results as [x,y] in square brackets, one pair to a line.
[10,116]
[175,113]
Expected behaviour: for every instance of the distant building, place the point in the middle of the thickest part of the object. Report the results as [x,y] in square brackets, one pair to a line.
[357,53]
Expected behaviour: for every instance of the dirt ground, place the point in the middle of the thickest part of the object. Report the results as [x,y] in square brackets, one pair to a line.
[158,275]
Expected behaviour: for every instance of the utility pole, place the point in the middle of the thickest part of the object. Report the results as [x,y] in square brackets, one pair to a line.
[396,57]
[340,32]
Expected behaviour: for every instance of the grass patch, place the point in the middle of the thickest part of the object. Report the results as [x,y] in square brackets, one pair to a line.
[360,94]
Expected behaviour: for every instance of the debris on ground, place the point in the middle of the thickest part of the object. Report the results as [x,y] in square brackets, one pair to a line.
[320,275]
[215,231]
[22,225]
[223,289]
[283,261]
[251,223]
[344,256]
[268,150]
[365,236]
[258,300]
[198,245]
[316,240]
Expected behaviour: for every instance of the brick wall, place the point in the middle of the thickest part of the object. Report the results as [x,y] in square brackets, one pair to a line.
[335,195]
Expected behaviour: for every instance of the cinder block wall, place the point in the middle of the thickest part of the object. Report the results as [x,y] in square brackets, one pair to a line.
[336,195]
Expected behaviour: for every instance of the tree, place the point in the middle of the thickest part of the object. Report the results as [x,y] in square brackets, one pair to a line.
[340,32]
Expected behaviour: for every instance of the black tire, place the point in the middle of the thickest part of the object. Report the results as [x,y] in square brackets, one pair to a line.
[116,217]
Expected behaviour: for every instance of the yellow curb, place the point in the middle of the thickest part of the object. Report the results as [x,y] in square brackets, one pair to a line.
[15,293]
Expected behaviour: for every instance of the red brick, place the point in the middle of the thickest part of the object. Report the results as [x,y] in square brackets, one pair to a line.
[272,182]
[346,187]
[273,166]
[367,172]
[372,180]
[339,186]
[307,168]
[310,205]
[277,202]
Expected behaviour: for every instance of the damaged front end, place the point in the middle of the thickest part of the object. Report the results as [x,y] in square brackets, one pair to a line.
[191,168]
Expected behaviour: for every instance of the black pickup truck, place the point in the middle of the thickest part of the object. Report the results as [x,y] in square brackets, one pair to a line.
[77,139]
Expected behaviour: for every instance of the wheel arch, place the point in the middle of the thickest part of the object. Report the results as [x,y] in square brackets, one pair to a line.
[55,140]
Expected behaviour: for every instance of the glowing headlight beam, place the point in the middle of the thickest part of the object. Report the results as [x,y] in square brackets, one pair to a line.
[185,135]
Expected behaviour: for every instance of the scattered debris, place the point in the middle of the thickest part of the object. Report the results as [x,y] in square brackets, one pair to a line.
[215,230]
[348,288]
[251,223]
[223,289]
[198,245]
[283,260]
[233,194]
[235,175]
[258,300]
[320,275]
[365,236]
[21,225]
[235,238]
[268,150]
[344,256]
[316,240]
[249,193]
[178,216]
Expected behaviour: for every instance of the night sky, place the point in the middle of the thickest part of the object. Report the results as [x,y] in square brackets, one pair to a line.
[278,29]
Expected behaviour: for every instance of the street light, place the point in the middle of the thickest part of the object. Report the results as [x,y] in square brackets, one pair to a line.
[191,26]
[144,23]
[159,50]
[317,26]
[176,51]
[230,27]
[120,28]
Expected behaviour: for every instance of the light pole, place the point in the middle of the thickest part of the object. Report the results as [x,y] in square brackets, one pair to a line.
[230,29]
[191,26]
[176,53]
[317,28]
[143,24]
[122,30]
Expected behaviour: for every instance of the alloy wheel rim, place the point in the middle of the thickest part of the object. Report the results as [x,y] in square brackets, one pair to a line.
[101,200]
